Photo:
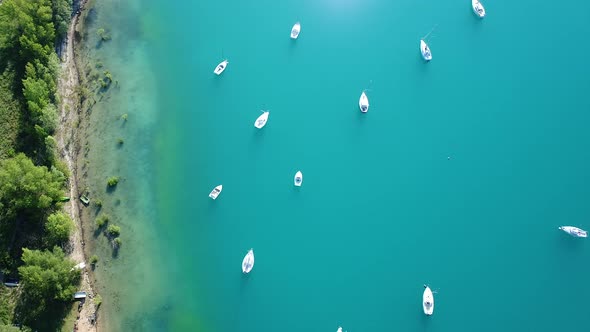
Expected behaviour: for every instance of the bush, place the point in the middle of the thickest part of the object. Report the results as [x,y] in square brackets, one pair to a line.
[58,228]
[120,141]
[98,203]
[103,34]
[97,300]
[124,117]
[114,230]
[117,243]
[93,260]
[102,220]
[112,181]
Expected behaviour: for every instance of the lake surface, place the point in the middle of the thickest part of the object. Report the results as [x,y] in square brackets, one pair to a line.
[457,177]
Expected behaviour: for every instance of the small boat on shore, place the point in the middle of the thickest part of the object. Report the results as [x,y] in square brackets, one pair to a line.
[216,191]
[427,301]
[248,262]
[364,102]
[295,30]
[425,50]
[478,8]
[220,67]
[574,231]
[298,179]
[261,120]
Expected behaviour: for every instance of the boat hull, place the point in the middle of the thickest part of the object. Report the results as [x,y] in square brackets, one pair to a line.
[261,120]
[215,192]
[574,231]
[295,30]
[220,67]
[427,301]
[425,51]
[478,8]
[364,103]
[248,262]
[298,179]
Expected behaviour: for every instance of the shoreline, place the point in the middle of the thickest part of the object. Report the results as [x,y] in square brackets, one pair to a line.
[68,141]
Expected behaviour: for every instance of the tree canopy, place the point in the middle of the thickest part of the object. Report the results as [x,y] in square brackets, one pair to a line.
[62,13]
[46,276]
[58,228]
[26,30]
[26,186]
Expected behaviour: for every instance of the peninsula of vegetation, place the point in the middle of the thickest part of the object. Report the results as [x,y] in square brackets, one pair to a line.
[40,240]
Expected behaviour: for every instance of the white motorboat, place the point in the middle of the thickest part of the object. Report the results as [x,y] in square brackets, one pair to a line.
[427,301]
[478,8]
[298,180]
[574,231]
[295,30]
[339,329]
[215,192]
[248,262]
[425,50]
[364,103]
[221,67]
[261,120]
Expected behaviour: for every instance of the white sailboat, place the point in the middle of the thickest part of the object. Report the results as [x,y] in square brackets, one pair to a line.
[427,301]
[425,50]
[261,120]
[295,30]
[248,262]
[216,191]
[478,8]
[364,103]
[298,179]
[574,231]
[339,329]
[220,67]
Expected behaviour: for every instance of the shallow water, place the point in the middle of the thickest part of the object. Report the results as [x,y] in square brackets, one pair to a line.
[458,176]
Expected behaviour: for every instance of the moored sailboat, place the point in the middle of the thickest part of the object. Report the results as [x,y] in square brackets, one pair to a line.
[248,262]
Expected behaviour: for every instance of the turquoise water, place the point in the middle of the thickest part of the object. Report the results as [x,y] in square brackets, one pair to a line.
[458,176]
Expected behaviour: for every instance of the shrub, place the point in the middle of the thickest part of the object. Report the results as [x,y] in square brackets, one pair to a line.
[114,230]
[98,203]
[112,181]
[124,117]
[117,243]
[102,220]
[104,36]
[93,260]
[120,141]
[97,300]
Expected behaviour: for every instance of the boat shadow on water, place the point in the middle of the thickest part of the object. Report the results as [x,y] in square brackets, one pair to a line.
[245,277]
[570,243]
[425,320]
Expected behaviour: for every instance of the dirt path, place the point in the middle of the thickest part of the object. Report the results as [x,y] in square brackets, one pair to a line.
[66,140]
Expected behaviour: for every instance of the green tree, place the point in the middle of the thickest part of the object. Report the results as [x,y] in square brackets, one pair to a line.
[58,228]
[39,87]
[10,110]
[26,186]
[62,13]
[9,328]
[26,29]
[47,276]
